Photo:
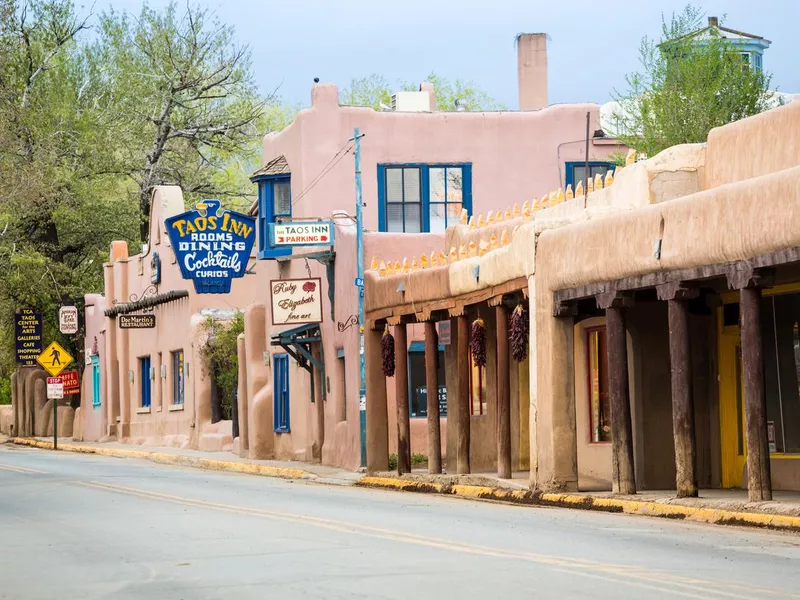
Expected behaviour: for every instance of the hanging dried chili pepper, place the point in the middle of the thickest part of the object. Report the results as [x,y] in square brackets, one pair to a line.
[387,353]
[478,343]
[518,333]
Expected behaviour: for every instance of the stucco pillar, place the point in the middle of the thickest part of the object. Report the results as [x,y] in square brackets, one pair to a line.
[259,391]
[401,399]
[463,422]
[124,368]
[377,411]
[241,396]
[432,385]
[503,394]
[759,481]
[532,70]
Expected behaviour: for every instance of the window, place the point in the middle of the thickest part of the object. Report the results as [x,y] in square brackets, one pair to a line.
[576,171]
[274,204]
[423,198]
[95,381]
[280,391]
[341,376]
[757,61]
[599,402]
[178,379]
[144,379]
[418,396]
[780,318]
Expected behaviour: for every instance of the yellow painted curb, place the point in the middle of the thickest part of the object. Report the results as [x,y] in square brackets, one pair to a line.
[586,502]
[177,459]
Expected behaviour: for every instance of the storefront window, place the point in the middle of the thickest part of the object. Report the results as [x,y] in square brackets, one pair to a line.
[781,350]
[599,405]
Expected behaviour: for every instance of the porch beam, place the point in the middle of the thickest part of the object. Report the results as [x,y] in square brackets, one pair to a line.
[623,480]
[462,423]
[432,384]
[377,429]
[680,355]
[503,395]
[401,398]
[759,482]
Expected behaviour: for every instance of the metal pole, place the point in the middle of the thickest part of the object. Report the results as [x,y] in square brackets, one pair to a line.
[55,424]
[586,164]
[362,388]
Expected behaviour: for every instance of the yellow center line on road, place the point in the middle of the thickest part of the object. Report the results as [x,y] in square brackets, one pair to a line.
[21,469]
[674,584]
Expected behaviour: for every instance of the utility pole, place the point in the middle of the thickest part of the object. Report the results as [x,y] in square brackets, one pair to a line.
[362,388]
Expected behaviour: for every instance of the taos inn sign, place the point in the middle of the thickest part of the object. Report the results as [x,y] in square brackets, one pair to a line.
[212,246]
[301,234]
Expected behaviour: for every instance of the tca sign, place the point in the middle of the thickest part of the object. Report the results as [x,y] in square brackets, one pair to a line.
[212,246]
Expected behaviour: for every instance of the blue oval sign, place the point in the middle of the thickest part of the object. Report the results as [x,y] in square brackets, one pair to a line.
[212,247]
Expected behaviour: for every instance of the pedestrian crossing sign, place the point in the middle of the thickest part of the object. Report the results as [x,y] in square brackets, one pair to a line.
[54,359]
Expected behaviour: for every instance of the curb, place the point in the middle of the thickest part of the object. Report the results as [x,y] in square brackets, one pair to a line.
[175,459]
[584,502]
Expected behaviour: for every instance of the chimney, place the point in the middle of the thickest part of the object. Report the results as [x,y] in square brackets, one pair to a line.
[532,70]
[713,22]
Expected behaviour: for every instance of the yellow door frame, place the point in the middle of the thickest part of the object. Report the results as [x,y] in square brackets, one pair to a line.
[731,393]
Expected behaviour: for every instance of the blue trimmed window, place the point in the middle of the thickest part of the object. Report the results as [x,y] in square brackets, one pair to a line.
[144,381]
[576,171]
[418,385]
[274,204]
[96,381]
[178,377]
[414,198]
[280,391]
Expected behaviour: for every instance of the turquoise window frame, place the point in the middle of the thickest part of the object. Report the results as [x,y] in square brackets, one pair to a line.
[146,389]
[267,214]
[281,406]
[96,397]
[425,192]
[569,170]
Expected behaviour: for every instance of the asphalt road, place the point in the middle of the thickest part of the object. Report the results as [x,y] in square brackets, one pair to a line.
[84,527]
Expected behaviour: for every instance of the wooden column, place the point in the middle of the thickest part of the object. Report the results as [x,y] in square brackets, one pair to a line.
[377,413]
[432,384]
[680,356]
[462,455]
[622,475]
[759,482]
[503,395]
[401,399]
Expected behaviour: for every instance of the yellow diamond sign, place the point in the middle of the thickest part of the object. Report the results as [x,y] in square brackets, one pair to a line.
[54,359]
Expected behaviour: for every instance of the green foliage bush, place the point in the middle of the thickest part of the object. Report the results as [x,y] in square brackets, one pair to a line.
[222,360]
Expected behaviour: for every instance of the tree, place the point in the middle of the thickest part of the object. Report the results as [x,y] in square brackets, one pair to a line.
[188,95]
[374,90]
[690,83]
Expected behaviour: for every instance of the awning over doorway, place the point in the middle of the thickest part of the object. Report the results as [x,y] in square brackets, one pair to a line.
[297,343]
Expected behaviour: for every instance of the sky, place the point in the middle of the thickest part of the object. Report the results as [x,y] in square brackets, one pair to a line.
[592,45]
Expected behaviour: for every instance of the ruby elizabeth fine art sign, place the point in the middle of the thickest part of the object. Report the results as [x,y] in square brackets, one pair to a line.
[296,301]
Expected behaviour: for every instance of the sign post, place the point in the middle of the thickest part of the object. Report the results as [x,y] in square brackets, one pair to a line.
[28,334]
[54,360]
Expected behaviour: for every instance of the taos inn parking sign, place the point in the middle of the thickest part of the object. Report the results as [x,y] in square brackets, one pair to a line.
[212,246]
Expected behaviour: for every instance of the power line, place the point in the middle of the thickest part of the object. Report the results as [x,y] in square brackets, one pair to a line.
[340,154]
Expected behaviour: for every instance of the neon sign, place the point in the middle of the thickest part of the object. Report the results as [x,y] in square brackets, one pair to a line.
[212,246]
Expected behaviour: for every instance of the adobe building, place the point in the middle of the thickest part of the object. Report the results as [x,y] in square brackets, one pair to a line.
[420,168]
[663,347]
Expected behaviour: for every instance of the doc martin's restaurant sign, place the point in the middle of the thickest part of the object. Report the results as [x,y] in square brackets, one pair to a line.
[212,246]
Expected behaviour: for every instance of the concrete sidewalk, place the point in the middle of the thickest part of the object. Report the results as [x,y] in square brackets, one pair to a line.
[721,507]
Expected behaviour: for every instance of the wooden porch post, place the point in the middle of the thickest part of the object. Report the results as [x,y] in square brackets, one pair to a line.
[503,395]
[759,482]
[401,398]
[377,413]
[432,384]
[462,455]
[680,356]
[622,474]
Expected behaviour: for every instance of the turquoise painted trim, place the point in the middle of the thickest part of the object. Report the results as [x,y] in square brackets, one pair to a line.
[419,346]
[569,170]
[266,215]
[280,370]
[96,398]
